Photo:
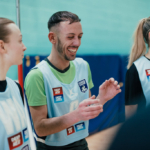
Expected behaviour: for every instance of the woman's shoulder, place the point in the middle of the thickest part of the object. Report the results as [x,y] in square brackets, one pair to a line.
[132,70]
[20,90]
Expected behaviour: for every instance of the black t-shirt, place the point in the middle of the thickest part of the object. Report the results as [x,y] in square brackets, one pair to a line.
[3,85]
[133,88]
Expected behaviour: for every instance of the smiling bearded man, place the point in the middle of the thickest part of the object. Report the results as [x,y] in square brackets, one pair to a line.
[58,89]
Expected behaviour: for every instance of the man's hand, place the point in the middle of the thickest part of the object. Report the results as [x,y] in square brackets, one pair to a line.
[108,90]
[88,109]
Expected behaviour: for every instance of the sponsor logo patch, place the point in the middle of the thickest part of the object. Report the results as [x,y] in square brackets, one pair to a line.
[70,130]
[25,135]
[80,126]
[83,85]
[58,95]
[148,74]
[25,147]
[15,141]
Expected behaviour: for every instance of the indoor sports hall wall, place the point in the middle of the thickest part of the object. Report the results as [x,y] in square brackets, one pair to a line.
[108,26]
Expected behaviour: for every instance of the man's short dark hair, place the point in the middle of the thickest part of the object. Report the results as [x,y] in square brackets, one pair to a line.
[60,16]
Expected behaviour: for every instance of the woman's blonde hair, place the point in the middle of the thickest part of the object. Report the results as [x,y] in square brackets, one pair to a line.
[140,37]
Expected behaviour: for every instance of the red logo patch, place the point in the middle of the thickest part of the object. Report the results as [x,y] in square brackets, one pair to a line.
[147,72]
[70,130]
[57,91]
[15,141]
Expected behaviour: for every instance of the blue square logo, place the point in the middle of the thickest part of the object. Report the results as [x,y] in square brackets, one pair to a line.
[83,85]
[58,99]
[148,74]
[80,126]
[25,135]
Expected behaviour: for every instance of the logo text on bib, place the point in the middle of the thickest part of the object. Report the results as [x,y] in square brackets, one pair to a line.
[58,95]
[80,126]
[15,141]
[83,85]
[70,130]
[25,135]
[148,74]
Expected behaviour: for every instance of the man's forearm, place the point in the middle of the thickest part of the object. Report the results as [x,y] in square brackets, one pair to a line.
[87,109]
[53,125]
[102,101]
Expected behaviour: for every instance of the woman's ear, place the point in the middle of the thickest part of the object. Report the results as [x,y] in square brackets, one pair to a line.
[2,49]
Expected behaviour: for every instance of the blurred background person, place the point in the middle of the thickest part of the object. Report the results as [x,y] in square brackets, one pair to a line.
[134,134]
[137,84]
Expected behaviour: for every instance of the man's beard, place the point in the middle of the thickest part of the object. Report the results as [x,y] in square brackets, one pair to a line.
[60,50]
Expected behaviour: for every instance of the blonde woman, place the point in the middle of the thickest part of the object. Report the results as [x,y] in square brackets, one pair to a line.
[137,89]
[13,126]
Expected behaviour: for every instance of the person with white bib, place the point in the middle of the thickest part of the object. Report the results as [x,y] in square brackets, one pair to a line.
[58,89]
[137,84]
[13,125]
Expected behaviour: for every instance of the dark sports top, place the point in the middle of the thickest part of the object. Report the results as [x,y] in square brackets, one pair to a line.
[134,134]
[3,85]
[133,89]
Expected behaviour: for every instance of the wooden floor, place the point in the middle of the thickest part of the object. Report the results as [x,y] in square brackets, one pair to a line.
[103,139]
